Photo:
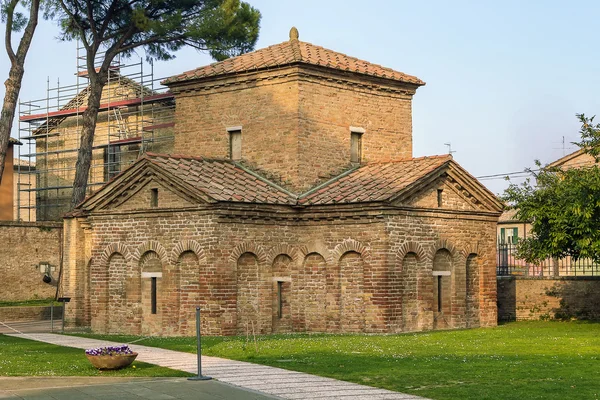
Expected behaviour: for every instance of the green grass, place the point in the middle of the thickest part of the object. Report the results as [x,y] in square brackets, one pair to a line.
[21,357]
[34,302]
[525,360]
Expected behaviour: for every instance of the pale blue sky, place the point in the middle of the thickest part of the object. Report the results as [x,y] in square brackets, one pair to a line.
[504,79]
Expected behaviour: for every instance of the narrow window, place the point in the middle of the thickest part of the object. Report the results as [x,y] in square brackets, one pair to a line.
[153,296]
[439,299]
[355,147]
[153,197]
[279,299]
[502,235]
[439,197]
[112,162]
[235,143]
[515,237]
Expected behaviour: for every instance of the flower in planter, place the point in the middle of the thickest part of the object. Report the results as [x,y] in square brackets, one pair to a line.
[110,351]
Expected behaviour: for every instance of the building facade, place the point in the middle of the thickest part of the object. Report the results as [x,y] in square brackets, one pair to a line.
[292,204]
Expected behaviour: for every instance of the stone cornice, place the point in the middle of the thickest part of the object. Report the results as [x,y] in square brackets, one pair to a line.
[261,214]
[297,73]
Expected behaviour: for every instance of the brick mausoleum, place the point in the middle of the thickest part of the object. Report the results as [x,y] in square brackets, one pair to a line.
[292,204]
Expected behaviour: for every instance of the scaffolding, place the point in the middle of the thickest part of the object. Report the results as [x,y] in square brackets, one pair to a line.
[136,115]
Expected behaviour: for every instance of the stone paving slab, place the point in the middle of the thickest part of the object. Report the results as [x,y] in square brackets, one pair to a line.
[103,388]
[273,381]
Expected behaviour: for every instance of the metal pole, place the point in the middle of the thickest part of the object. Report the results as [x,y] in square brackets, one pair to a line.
[52,317]
[200,377]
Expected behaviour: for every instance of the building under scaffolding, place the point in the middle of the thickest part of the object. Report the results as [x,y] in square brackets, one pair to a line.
[136,115]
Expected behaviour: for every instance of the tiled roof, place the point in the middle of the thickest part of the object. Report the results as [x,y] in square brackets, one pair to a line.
[375,181]
[13,141]
[222,180]
[508,216]
[289,52]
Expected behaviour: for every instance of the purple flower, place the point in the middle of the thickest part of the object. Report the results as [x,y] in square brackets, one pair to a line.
[109,351]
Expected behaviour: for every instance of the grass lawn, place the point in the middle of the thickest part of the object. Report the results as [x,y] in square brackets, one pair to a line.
[524,360]
[21,357]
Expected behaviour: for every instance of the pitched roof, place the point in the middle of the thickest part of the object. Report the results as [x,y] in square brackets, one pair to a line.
[222,180]
[374,182]
[508,216]
[226,181]
[290,52]
[575,159]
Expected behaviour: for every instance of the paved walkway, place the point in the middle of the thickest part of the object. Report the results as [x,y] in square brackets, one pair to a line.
[103,388]
[270,380]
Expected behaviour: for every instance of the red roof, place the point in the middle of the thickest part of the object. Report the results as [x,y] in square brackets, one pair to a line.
[222,180]
[374,182]
[290,52]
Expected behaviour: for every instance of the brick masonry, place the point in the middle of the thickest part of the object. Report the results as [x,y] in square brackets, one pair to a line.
[522,299]
[359,270]
[347,257]
[26,314]
[24,246]
[305,115]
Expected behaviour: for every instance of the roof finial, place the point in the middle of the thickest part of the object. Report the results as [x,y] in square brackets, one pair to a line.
[294,35]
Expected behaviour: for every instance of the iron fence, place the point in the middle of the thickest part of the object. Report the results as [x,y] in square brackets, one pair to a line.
[507,264]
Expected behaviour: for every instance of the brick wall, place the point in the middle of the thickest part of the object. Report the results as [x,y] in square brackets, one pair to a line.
[329,107]
[335,270]
[265,108]
[295,121]
[24,245]
[25,314]
[565,298]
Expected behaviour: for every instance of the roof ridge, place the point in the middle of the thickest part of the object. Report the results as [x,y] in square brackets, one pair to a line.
[441,156]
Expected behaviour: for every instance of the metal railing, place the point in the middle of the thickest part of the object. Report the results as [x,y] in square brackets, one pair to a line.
[507,264]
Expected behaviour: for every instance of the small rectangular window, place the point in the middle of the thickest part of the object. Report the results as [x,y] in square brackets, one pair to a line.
[439,293]
[502,235]
[439,197]
[235,144]
[153,197]
[153,296]
[279,299]
[355,147]
[112,162]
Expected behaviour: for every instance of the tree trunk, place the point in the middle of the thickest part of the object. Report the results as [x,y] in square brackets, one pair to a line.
[84,155]
[15,77]
[13,87]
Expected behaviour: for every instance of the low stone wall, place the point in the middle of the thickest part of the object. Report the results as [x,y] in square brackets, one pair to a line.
[522,298]
[23,245]
[29,313]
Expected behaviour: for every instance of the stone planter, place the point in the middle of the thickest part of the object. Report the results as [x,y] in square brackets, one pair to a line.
[112,362]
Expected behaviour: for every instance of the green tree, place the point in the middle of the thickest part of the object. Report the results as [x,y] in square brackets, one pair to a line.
[223,28]
[15,20]
[563,206]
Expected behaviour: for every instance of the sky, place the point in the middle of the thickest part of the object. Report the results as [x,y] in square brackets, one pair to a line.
[504,79]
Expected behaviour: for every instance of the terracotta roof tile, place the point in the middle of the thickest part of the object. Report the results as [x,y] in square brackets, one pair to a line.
[374,182]
[289,52]
[221,180]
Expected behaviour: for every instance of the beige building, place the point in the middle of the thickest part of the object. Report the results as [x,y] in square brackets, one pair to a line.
[133,119]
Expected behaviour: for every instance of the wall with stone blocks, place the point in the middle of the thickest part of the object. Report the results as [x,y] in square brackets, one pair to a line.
[368,273]
[23,246]
[565,298]
[27,313]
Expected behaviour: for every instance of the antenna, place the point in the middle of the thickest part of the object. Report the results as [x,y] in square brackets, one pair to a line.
[449,148]
[563,147]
